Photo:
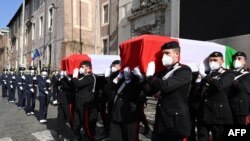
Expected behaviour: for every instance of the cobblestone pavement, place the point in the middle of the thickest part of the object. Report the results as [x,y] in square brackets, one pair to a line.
[15,125]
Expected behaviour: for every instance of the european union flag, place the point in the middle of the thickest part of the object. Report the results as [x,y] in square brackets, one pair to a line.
[35,54]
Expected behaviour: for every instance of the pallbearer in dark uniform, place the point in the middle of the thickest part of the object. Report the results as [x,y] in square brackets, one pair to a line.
[4,80]
[21,87]
[240,90]
[31,90]
[105,99]
[11,85]
[214,110]
[54,79]
[172,121]
[84,96]
[44,86]
[125,117]
[64,91]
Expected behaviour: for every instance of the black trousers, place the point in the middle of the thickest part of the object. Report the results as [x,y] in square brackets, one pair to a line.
[4,91]
[12,92]
[21,98]
[31,101]
[123,132]
[217,132]
[62,117]
[43,109]
[240,120]
[82,120]
[142,115]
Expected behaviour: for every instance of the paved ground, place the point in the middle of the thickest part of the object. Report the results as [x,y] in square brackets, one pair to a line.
[15,125]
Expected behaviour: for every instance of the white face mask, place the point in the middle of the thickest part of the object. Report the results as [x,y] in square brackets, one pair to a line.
[214,65]
[5,72]
[56,73]
[238,64]
[32,72]
[81,71]
[113,69]
[44,73]
[21,72]
[12,72]
[167,60]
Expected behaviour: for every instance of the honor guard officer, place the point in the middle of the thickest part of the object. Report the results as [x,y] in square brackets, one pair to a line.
[64,89]
[214,110]
[238,96]
[12,85]
[84,96]
[172,121]
[125,117]
[44,86]
[55,78]
[21,87]
[4,79]
[31,90]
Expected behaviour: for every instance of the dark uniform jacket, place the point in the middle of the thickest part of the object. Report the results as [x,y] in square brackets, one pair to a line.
[172,114]
[11,81]
[110,87]
[30,83]
[64,89]
[126,103]
[20,82]
[214,107]
[238,96]
[44,86]
[4,78]
[84,89]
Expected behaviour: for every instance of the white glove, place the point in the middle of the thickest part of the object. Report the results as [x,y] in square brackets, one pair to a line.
[65,73]
[5,83]
[34,78]
[21,88]
[75,72]
[127,73]
[23,77]
[107,72]
[46,92]
[119,76]
[151,69]
[48,81]
[137,73]
[11,86]
[13,77]
[32,90]
[201,69]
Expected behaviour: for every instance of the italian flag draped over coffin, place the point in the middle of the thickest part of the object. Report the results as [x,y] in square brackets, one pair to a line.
[141,50]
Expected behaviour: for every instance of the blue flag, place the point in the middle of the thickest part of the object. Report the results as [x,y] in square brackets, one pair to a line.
[35,54]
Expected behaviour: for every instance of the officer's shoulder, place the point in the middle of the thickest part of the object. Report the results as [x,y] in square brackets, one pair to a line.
[185,67]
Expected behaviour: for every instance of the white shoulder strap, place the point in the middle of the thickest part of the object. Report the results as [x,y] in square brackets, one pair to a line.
[170,73]
[94,83]
[244,73]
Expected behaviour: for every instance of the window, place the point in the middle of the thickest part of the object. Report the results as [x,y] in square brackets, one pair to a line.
[40,26]
[49,56]
[50,20]
[105,45]
[33,31]
[105,14]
